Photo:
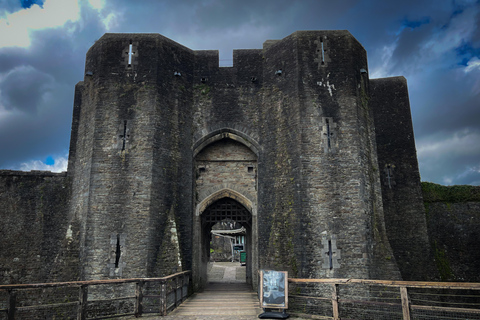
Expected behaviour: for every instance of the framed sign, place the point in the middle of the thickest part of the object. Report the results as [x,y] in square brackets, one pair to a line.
[273,289]
[238,247]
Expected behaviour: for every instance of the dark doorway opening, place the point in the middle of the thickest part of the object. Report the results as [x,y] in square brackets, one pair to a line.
[224,210]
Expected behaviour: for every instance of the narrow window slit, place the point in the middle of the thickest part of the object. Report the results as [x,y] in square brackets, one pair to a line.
[389,176]
[124,134]
[118,252]
[323,52]
[328,133]
[330,254]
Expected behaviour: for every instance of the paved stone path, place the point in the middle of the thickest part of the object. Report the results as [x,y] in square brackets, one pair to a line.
[229,272]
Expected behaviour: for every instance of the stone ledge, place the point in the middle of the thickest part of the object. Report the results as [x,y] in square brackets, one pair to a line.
[32,173]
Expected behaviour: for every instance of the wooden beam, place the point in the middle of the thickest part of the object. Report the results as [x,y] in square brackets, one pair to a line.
[446,309]
[391,283]
[12,302]
[139,299]
[163,299]
[405,303]
[336,315]
[90,282]
[82,303]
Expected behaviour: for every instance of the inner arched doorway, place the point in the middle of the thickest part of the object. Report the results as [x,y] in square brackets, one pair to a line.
[223,205]
[222,210]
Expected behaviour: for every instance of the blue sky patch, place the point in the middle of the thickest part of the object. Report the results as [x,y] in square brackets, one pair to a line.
[28,3]
[50,161]
[466,52]
[413,24]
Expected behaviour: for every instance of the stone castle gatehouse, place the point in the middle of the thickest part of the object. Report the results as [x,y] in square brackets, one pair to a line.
[295,142]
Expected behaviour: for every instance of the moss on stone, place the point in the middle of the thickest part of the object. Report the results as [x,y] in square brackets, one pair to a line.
[433,192]
[443,265]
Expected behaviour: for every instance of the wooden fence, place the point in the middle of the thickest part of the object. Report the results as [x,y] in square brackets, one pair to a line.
[377,299]
[164,294]
[312,298]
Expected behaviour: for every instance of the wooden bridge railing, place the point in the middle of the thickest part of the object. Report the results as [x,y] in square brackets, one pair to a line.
[96,299]
[379,299]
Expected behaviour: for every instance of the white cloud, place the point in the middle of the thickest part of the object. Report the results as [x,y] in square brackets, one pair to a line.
[459,30]
[97,4]
[473,64]
[381,70]
[16,27]
[450,160]
[464,142]
[60,165]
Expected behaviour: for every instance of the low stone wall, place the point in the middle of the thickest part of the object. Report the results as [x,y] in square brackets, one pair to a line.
[34,227]
[453,220]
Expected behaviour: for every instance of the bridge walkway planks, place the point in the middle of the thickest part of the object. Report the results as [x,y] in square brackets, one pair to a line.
[226,296]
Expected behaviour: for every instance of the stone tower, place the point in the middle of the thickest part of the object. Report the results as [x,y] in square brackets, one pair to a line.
[165,143]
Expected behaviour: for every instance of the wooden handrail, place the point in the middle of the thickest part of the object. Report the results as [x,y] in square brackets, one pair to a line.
[87,282]
[83,301]
[403,286]
[390,283]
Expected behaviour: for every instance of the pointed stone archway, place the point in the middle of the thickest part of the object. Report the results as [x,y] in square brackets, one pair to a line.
[221,205]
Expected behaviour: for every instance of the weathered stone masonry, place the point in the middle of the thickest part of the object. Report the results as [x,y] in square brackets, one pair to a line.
[321,157]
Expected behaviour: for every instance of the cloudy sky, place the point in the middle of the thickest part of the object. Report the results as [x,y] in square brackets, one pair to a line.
[434,44]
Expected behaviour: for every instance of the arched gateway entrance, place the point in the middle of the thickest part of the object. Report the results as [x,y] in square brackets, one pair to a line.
[226,204]
[225,168]
[226,209]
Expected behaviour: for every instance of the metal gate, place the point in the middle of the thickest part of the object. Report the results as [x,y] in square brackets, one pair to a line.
[226,208]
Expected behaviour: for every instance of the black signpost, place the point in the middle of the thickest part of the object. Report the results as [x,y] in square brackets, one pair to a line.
[273,294]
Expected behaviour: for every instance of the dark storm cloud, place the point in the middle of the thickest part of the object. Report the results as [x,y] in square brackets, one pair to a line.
[448,104]
[409,49]
[37,86]
[37,136]
[476,34]
[24,88]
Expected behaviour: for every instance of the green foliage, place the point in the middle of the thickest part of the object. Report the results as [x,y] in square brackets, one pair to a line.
[443,265]
[437,193]
[203,88]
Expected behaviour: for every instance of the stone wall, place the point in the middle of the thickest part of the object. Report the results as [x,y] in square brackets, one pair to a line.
[453,220]
[225,163]
[400,178]
[319,183]
[37,242]
[129,151]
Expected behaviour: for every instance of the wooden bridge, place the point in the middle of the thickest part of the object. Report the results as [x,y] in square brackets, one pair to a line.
[228,297]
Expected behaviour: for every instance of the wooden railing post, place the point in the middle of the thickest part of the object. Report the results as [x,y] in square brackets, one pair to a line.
[163,298]
[181,287]
[176,290]
[12,302]
[82,302]
[335,301]
[139,299]
[405,303]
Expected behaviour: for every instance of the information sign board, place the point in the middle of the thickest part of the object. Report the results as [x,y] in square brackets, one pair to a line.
[274,289]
